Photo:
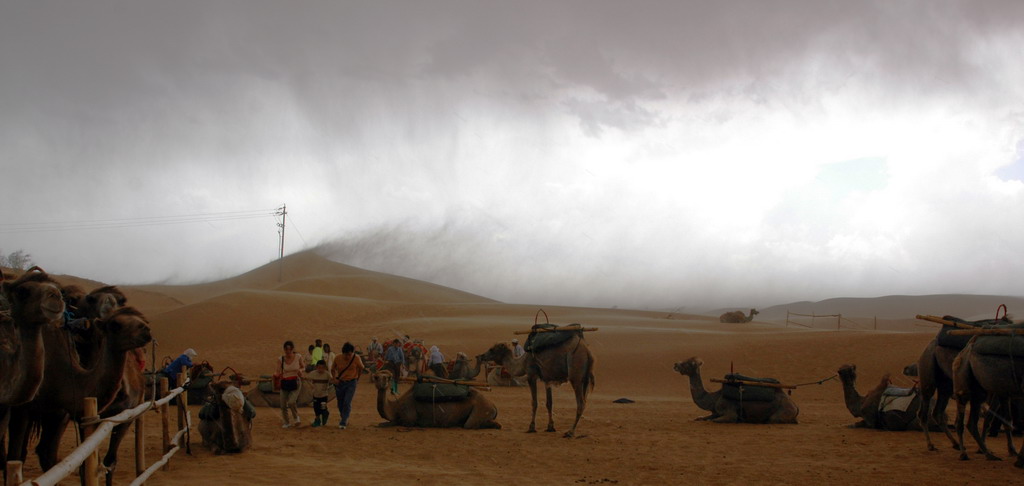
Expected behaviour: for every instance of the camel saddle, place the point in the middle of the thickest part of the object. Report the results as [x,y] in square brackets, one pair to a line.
[439,392]
[746,392]
[946,340]
[896,399]
[553,336]
[1011,345]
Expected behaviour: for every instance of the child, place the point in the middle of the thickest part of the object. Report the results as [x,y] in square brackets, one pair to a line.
[320,379]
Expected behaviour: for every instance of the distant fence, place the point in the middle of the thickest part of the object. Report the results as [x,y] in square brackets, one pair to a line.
[840,321]
[97,430]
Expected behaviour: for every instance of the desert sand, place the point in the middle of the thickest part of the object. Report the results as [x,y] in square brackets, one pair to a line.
[242,322]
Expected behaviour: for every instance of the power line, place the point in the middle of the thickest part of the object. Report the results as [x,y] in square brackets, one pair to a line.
[35,227]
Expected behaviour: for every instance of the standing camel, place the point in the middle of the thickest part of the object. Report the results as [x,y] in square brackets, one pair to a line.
[35,304]
[569,361]
[935,378]
[978,378]
[66,383]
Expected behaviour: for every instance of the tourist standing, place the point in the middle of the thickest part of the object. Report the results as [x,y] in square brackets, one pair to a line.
[436,362]
[174,368]
[347,369]
[290,367]
[374,350]
[394,359]
[329,356]
[320,379]
[317,353]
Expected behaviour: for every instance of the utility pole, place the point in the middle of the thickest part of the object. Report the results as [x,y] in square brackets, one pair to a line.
[283,213]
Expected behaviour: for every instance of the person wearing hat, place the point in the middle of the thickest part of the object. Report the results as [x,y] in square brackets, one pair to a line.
[174,368]
[517,349]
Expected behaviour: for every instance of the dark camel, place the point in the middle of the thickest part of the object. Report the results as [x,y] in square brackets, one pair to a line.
[475,412]
[781,410]
[35,304]
[66,383]
[570,362]
[978,378]
[737,316]
[869,407]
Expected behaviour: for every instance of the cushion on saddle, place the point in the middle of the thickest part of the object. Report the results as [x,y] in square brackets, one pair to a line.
[896,391]
[439,392]
[266,384]
[538,341]
[748,393]
[1010,345]
[896,403]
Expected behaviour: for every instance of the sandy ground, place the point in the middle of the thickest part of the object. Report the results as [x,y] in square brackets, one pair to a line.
[242,322]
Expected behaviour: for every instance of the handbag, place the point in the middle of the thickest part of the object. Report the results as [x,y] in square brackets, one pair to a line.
[290,384]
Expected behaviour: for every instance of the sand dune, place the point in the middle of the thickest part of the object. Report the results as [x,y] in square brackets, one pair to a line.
[242,322]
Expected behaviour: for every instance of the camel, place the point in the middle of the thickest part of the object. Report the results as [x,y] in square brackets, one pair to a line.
[66,382]
[737,316]
[475,412]
[780,410]
[978,378]
[226,422]
[461,369]
[569,361]
[869,407]
[36,303]
[935,378]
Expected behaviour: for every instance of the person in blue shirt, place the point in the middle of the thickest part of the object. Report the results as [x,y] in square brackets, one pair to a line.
[184,360]
[394,360]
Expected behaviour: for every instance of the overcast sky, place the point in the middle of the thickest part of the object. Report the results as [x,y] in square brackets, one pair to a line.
[639,154]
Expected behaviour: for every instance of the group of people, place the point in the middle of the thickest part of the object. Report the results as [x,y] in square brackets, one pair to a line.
[322,368]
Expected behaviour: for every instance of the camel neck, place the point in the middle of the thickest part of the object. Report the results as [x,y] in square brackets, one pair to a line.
[26,365]
[701,397]
[851,397]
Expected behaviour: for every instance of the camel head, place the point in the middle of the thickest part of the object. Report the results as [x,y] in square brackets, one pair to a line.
[382,380]
[910,370]
[847,373]
[34,297]
[497,354]
[754,312]
[127,327]
[689,367]
[101,302]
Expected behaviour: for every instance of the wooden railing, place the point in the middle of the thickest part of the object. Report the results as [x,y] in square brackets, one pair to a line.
[96,431]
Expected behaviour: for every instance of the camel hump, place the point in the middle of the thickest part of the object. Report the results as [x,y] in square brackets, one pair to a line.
[546,336]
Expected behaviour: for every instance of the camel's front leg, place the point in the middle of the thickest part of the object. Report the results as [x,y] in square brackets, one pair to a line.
[533,397]
[551,416]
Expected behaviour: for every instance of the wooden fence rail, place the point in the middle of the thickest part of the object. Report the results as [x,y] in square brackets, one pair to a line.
[86,453]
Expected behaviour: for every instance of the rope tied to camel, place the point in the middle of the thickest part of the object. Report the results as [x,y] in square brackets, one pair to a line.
[819,382]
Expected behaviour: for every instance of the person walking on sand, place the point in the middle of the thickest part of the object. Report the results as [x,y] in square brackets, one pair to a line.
[321,379]
[290,367]
[317,353]
[347,369]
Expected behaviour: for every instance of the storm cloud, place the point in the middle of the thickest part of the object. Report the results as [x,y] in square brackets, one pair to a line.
[643,154]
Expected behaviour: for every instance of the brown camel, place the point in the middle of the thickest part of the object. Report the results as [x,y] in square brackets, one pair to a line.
[474,412]
[569,361]
[226,422]
[461,369]
[35,304]
[66,382]
[870,407]
[935,377]
[978,378]
[780,410]
[737,316]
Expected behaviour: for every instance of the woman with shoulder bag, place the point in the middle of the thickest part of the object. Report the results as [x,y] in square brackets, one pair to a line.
[290,368]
